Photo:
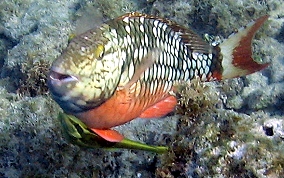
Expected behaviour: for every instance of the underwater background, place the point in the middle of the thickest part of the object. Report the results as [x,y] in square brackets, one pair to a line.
[233,128]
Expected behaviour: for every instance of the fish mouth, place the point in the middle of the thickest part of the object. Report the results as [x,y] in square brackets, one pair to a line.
[60,84]
[57,76]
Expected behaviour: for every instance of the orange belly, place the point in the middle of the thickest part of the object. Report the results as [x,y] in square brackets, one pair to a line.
[122,108]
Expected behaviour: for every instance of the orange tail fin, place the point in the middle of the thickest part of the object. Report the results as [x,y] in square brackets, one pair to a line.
[237,52]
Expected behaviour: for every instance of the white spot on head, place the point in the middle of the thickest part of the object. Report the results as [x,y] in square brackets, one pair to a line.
[83,49]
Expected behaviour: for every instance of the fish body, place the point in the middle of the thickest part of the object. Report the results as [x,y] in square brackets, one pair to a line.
[127,68]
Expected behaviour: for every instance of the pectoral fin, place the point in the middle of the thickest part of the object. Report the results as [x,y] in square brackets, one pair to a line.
[161,108]
[145,63]
[109,135]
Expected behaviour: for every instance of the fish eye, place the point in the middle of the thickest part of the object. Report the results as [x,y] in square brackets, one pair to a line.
[99,52]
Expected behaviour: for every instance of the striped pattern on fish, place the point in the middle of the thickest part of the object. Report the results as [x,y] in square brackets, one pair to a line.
[128,66]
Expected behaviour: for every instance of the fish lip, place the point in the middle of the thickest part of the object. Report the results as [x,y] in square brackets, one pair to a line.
[57,76]
[58,80]
[57,83]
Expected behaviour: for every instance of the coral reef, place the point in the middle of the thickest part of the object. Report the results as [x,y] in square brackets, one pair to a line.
[232,128]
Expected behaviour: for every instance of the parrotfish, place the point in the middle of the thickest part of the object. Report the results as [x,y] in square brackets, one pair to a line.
[127,68]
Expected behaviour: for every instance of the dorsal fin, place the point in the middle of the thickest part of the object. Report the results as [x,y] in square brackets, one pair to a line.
[193,41]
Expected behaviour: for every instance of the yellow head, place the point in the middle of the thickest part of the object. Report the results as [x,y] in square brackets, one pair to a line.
[87,73]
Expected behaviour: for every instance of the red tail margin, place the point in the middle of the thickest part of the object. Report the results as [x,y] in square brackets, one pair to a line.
[237,52]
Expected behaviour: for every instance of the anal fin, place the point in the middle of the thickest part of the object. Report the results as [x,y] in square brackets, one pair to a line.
[161,108]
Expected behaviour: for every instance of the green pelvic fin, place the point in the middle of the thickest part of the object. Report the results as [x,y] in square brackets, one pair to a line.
[78,133]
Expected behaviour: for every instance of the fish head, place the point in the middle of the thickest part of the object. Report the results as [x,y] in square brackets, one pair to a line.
[86,74]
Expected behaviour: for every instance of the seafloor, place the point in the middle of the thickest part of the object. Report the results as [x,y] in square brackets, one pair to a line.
[232,128]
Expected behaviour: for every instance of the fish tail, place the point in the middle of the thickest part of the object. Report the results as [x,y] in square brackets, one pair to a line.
[237,52]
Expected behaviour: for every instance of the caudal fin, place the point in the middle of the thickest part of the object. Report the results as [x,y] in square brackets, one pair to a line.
[237,52]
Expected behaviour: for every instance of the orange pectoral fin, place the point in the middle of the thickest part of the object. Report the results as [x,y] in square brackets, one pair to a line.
[109,135]
[161,108]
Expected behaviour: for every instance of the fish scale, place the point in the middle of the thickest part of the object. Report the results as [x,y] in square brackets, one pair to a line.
[127,67]
[159,35]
